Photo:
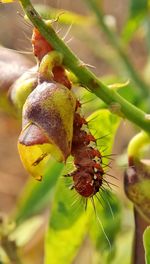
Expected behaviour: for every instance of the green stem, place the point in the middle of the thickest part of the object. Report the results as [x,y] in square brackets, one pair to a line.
[115,102]
[137,143]
[115,42]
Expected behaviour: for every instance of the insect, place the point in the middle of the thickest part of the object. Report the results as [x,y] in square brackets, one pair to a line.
[88,174]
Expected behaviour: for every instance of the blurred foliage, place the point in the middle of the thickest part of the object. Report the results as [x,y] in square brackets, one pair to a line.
[138,10]
[37,195]
[69,207]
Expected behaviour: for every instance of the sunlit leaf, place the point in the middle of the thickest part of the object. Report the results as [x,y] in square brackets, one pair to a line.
[67,226]
[103,125]
[146,241]
[37,195]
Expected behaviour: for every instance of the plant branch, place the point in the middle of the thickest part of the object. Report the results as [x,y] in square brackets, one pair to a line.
[115,42]
[87,79]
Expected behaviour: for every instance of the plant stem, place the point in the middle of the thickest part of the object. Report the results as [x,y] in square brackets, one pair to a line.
[115,42]
[87,79]
[138,248]
[136,143]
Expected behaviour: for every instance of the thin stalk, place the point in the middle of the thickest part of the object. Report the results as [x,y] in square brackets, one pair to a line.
[115,42]
[137,143]
[138,248]
[87,79]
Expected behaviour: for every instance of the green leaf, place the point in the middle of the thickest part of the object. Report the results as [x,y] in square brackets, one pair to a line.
[36,195]
[67,227]
[108,208]
[146,241]
[131,27]
[68,223]
[103,125]
[138,6]
[137,11]
[63,16]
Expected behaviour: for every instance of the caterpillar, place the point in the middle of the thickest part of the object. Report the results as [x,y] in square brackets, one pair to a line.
[88,174]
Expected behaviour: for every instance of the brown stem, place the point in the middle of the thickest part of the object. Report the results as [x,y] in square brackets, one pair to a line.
[138,248]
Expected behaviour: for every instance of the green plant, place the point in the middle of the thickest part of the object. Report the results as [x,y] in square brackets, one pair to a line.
[53,126]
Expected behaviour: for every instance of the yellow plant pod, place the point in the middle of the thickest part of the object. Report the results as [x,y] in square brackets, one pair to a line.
[48,116]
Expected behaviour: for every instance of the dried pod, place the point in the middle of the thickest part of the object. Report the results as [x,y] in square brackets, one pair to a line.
[47,126]
[137,186]
[22,87]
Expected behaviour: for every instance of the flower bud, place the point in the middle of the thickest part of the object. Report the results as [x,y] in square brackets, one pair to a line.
[47,126]
[22,87]
[137,186]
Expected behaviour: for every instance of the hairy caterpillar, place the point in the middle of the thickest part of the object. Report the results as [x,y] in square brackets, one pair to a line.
[88,174]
